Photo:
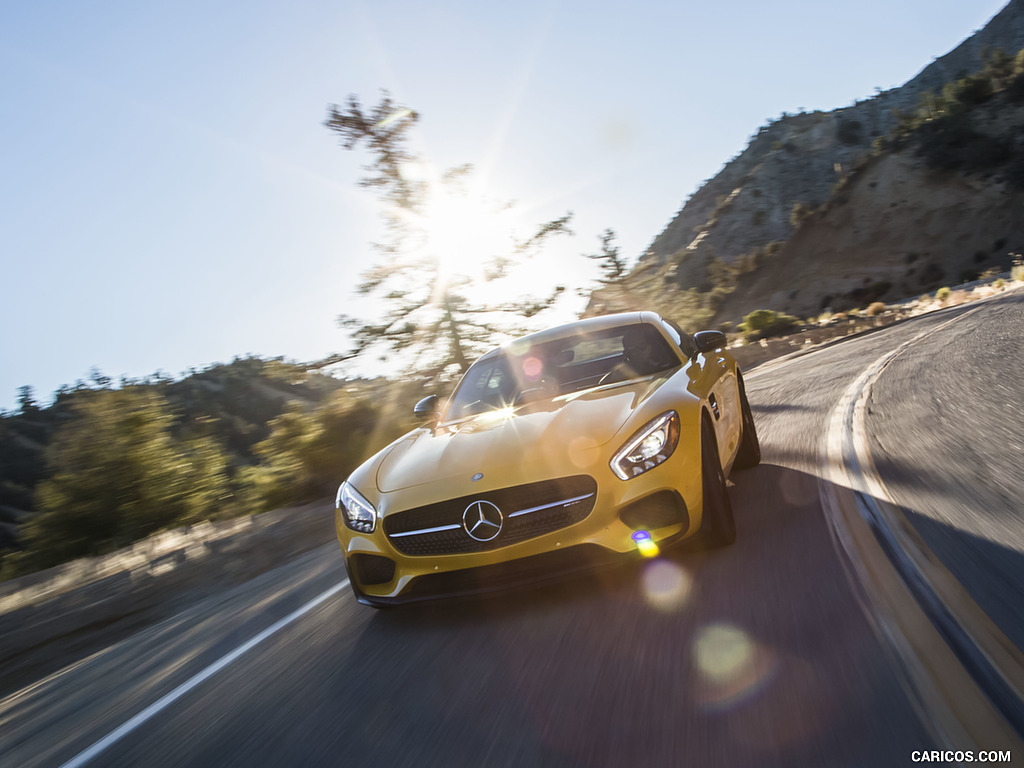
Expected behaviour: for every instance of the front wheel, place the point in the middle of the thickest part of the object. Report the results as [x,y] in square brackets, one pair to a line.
[749,454]
[718,528]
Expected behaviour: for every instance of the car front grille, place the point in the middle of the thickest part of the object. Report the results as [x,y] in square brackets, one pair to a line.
[526,511]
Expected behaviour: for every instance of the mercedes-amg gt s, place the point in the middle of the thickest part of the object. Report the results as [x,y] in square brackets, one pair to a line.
[604,436]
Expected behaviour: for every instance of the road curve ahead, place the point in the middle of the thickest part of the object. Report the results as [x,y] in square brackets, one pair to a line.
[758,654]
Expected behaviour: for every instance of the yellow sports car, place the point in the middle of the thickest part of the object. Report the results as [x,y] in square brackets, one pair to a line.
[601,437]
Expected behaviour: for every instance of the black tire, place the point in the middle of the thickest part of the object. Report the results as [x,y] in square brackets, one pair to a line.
[718,528]
[749,454]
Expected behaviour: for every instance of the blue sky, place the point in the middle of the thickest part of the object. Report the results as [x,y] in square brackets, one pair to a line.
[169,197]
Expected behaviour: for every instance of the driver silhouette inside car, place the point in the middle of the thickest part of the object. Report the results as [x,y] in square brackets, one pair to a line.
[643,352]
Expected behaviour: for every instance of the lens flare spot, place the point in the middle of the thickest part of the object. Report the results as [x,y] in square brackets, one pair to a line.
[518,348]
[532,368]
[666,586]
[733,665]
[398,114]
[722,651]
[646,545]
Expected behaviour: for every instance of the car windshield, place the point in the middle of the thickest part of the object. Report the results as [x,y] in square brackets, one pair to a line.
[522,374]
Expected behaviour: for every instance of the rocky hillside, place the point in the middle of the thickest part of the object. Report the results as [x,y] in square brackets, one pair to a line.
[896,223]
[896,229]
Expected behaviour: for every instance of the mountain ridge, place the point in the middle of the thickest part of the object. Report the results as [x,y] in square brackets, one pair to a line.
[790,167]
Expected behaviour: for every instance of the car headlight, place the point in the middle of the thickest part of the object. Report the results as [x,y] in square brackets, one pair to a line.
[652,444]
[358,513]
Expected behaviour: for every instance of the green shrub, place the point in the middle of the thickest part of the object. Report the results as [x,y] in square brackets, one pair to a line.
[943,293]
[800,212]
[119,473]
[1015,89]
[968,275]
[871,292]
[763,323]
[308,450]
[971,91]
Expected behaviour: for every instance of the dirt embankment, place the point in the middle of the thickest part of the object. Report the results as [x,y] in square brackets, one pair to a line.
[899,231]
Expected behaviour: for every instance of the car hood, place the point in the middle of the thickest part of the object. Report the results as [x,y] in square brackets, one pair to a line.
[551,433]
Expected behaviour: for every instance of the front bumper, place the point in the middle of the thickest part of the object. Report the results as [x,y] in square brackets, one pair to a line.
[666,502]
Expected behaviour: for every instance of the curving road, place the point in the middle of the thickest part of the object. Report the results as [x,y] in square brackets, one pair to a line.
[758,654]
[957,396]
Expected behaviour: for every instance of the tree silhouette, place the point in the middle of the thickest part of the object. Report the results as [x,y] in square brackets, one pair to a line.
[437,281]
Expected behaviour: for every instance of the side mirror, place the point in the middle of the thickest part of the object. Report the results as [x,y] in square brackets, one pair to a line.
[709,341]
[426,408]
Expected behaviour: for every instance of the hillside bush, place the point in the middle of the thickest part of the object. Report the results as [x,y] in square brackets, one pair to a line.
[800,212]
[764,323]
[1015,89]
[871,292]
[942,129]
[971,90]
[875,308]
[117,474]
[309,452]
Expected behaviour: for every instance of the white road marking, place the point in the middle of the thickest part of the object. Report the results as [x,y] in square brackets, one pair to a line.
[118,733]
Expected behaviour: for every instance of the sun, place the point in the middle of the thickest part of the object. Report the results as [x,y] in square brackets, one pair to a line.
[464,232]
[470,240]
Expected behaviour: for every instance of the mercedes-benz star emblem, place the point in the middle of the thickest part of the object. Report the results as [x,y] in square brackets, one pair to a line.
[482,520]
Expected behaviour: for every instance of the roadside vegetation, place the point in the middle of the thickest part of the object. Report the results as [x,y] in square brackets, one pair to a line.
[765,323]
[947,128]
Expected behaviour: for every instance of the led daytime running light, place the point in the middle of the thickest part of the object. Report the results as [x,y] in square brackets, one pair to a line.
[359,514]
[650,446]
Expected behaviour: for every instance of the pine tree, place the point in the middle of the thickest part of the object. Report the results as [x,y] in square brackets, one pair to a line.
[433,300]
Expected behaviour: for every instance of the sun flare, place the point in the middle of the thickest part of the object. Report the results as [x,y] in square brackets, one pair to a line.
[464,233]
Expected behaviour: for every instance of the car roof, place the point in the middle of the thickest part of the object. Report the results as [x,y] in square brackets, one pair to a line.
[586,325]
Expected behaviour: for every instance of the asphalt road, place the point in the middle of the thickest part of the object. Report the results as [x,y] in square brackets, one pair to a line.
[757,654]
[957,398]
